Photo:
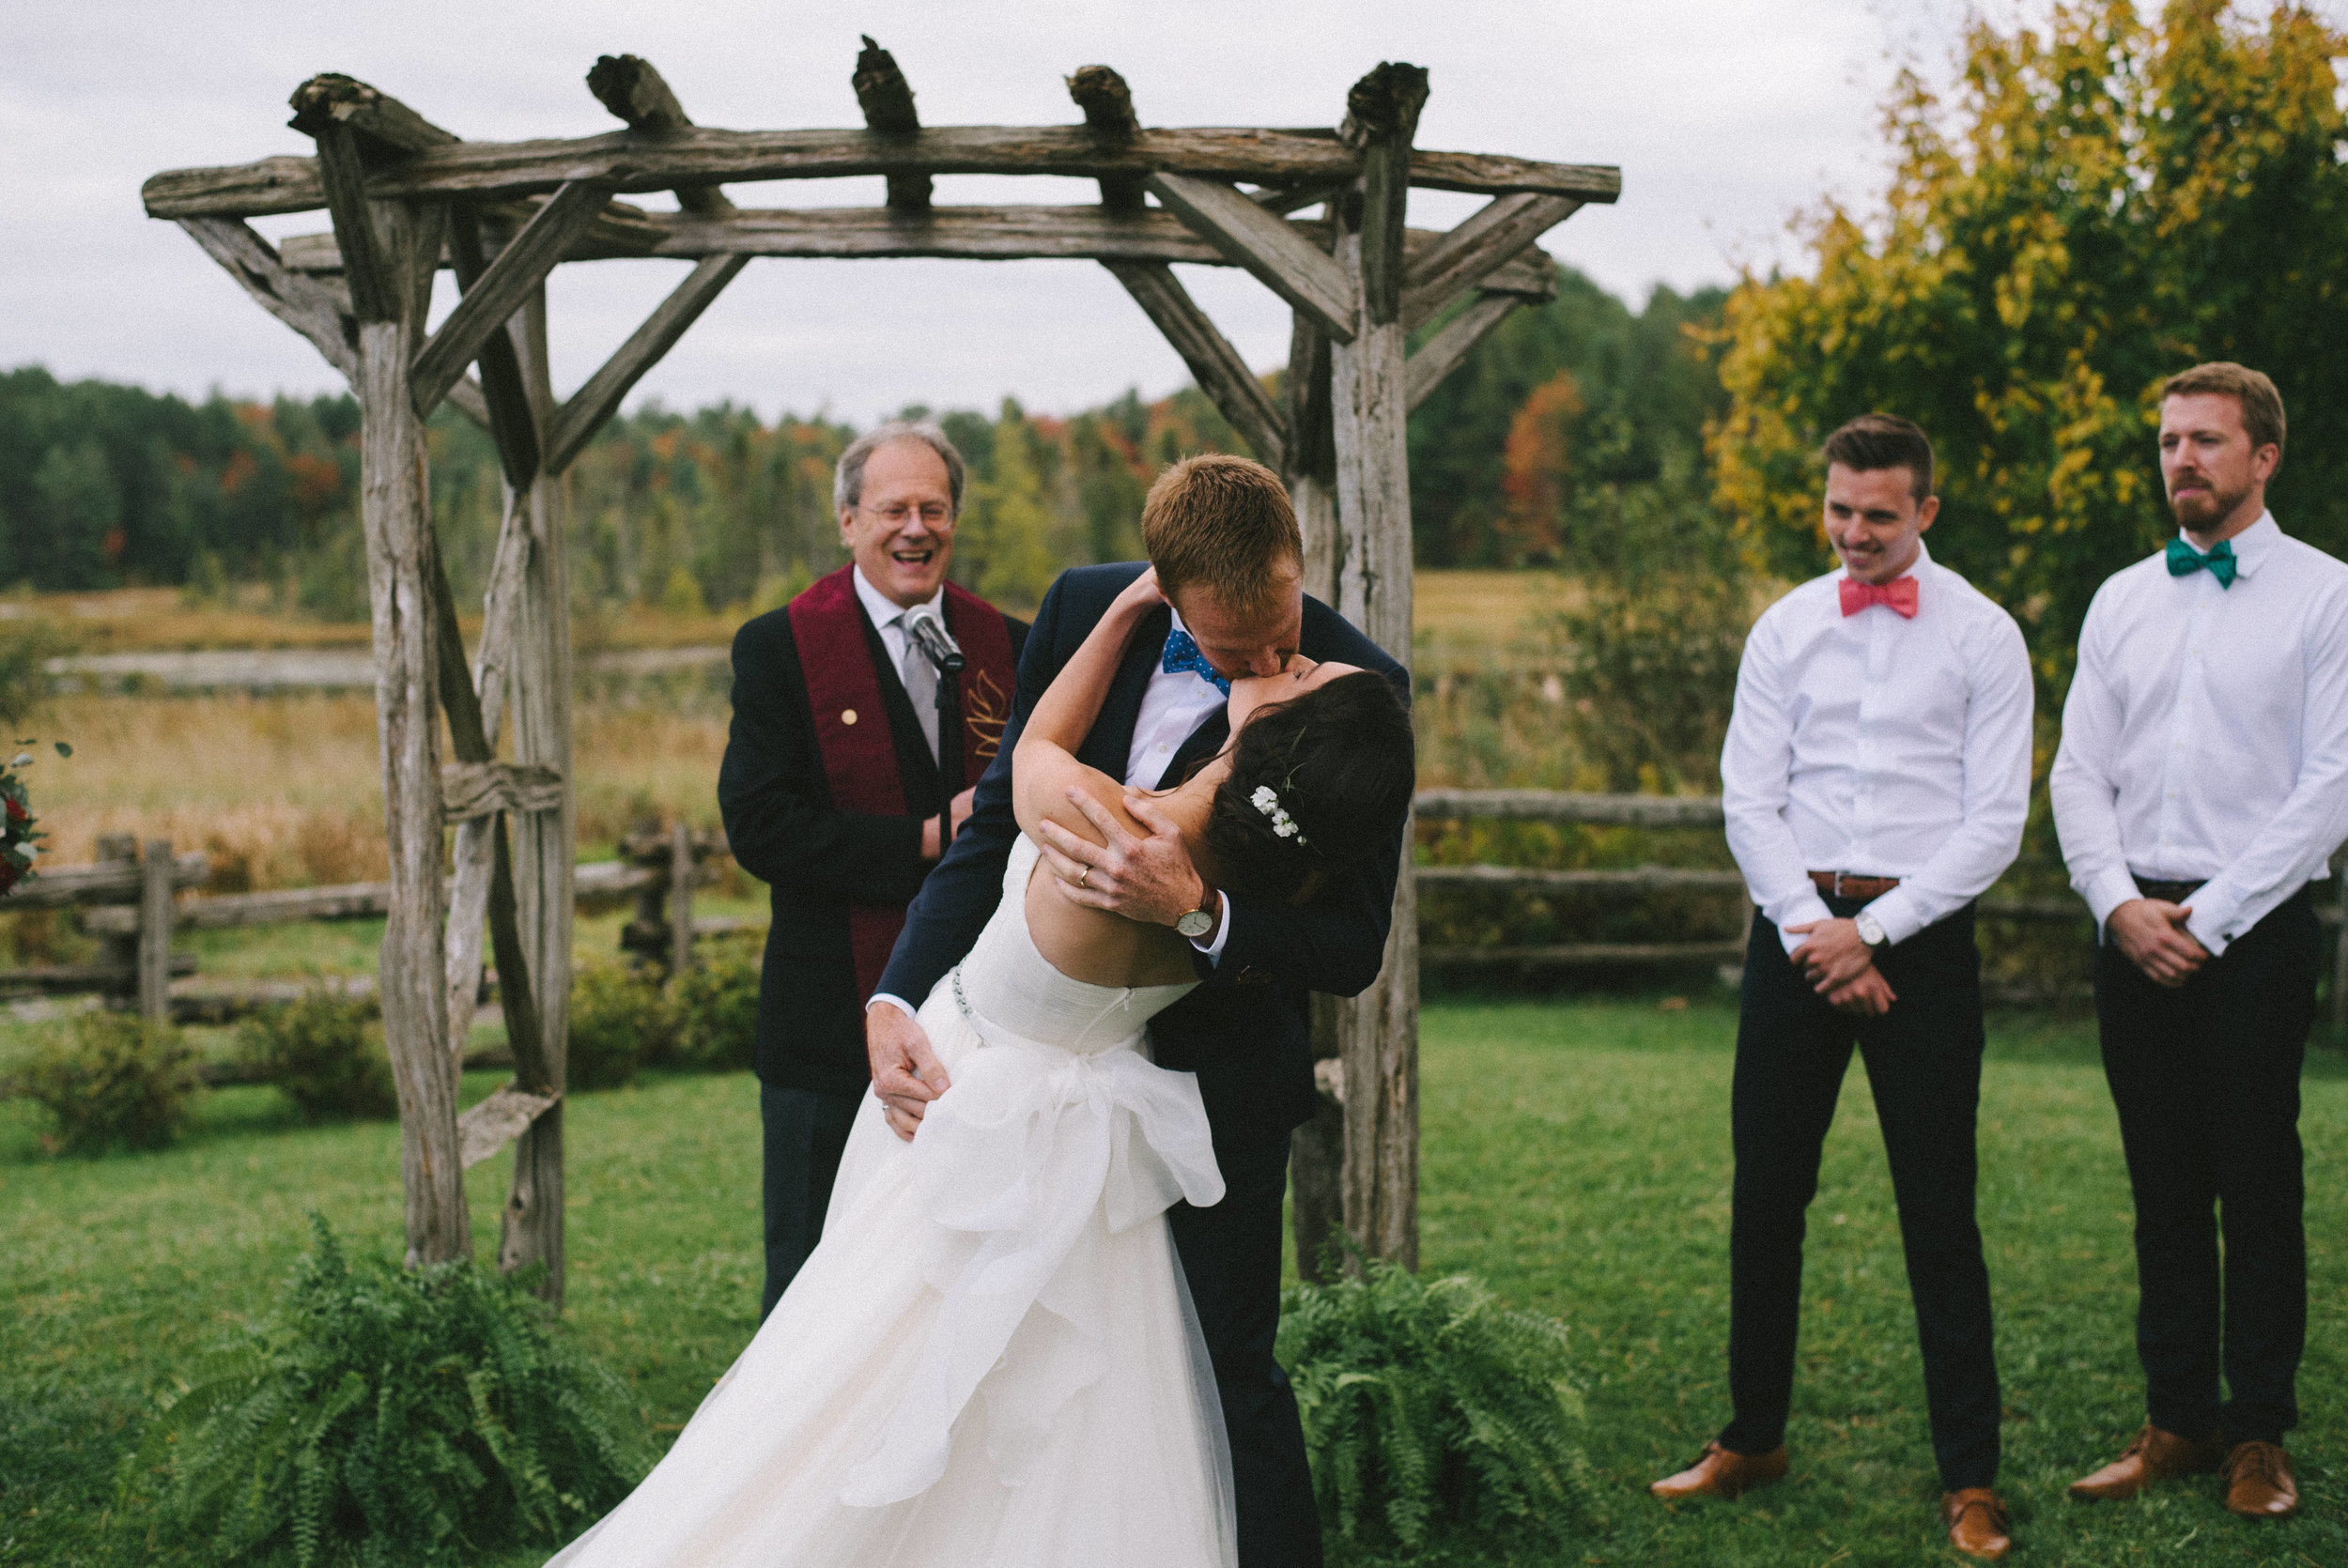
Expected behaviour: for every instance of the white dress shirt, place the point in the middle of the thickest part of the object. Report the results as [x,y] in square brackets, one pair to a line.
[889,617]
[2206,733]
[1881,747]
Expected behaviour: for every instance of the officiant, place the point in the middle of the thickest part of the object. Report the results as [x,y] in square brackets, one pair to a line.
[857,732]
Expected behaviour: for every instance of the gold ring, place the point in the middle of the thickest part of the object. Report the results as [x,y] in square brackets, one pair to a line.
[1082,875]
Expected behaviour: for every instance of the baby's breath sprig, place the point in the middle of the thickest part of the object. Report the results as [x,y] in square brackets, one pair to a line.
[1267,800]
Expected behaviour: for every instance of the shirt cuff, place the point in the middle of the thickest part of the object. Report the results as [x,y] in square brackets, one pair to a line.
[1212,945]
[897,1002]
[2108,891]
[1806,907]
[2212,921]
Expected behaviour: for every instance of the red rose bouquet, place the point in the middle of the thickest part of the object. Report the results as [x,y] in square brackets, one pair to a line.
[20,831]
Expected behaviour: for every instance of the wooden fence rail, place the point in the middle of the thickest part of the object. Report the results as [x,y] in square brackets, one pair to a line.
[124,901]
[128,901]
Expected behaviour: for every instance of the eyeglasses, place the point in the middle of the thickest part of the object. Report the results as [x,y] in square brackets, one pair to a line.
[933,515]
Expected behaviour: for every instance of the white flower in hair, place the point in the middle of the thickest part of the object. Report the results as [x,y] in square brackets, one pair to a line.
[1267,800]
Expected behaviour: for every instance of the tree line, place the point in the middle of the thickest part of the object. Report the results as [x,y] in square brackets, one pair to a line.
[1514,461]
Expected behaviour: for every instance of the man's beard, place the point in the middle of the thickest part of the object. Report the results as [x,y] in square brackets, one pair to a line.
[2206,507]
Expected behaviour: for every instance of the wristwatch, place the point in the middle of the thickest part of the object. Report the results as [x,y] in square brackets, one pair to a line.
[1196,923]
[1871,931]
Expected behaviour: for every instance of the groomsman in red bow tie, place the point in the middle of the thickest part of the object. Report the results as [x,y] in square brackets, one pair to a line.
[2202,786]
[1876,777]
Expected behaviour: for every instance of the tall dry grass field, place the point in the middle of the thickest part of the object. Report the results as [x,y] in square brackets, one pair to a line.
[286,791]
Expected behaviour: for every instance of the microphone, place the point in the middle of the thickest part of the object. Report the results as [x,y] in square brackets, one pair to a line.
[929,633]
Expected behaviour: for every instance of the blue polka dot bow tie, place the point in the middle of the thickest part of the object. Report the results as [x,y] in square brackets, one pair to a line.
[2183,561]
[1181,653]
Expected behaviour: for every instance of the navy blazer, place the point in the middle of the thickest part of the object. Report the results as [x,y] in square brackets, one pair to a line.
[1245,1032]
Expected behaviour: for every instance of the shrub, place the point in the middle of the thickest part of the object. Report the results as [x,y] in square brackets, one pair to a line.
[391,1417]
[112,1079]
[620,1019]
[714,1007]
[1442,1425]
[1650,672]
[319,1049]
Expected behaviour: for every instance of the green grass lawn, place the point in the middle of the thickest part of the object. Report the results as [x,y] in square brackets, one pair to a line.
[1576,1157]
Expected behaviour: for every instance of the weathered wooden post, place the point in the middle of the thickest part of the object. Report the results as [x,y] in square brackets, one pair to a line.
[1378,1031]
[154,937]
[389,249]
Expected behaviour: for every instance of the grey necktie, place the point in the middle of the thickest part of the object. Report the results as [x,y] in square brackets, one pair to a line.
[920,678]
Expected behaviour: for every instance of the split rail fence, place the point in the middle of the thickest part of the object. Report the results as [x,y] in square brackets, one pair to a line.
[129,902]
[128,899]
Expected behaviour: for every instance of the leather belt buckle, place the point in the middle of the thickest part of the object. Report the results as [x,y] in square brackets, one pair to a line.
[2168,892]
[1844,884]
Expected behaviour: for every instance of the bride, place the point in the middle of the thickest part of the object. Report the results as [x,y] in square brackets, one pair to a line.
[992,1358]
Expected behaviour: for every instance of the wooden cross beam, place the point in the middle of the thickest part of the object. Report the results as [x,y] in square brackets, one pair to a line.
[962,233]
[630,88]
[1468,254]
[1265,245]
[622,162]
[517,273]
[1221,374]
[882,93]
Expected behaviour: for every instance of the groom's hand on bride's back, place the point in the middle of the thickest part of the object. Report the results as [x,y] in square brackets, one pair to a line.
[1151,880]
[906,1073]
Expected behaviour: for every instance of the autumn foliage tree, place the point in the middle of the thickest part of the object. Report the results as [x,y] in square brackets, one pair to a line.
[2094,205]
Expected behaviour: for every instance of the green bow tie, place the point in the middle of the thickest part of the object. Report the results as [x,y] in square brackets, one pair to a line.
[2183,561]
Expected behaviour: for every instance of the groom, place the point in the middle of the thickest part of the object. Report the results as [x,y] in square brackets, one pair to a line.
[1229,560]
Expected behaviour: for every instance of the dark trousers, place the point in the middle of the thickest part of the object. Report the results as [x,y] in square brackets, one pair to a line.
[805,1132]
[1230,1256]
[1924,1067]
[2206,1080]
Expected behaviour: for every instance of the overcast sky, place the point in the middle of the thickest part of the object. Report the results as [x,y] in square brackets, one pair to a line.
[1726,116]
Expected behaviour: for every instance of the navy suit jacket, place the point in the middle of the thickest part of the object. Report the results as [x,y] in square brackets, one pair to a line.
[1245,1032]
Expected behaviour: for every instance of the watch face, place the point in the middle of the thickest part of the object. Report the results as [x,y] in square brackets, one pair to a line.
[1870,929]
[1194,923]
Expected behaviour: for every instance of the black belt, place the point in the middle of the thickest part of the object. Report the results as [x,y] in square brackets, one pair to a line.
[2169,892]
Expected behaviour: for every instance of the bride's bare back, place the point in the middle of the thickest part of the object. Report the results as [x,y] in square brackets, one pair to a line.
[1091,945]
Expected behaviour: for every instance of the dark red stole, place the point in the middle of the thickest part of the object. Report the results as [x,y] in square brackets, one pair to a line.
[852,731]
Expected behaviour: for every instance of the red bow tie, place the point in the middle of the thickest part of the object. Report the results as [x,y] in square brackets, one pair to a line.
[1898,594]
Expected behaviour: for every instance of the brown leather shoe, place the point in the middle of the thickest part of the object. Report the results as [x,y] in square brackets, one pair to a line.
[1719,1473]
[1977,1523]
[2155,1456]
[2259,1484]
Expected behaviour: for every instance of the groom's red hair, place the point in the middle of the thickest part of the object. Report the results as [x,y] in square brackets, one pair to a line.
[1225,524]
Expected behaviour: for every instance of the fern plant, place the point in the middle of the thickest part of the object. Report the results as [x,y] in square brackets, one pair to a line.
[382,1416]
[1442,1426]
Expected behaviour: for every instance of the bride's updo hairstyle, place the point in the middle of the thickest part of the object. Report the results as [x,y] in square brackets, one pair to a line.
[1316,782]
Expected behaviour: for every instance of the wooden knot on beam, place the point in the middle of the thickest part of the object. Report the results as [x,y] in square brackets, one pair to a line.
[886,100]
[384,125]
[636,94]
[1108,110]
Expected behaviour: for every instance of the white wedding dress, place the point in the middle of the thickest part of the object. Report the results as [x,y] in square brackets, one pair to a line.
[991,1360]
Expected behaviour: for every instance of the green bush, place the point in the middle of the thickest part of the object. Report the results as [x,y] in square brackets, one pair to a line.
[620,1019]
[1442,1427]
[714,1007]
[381,1416]
[113,1078]
[319,1049]
[1650,674]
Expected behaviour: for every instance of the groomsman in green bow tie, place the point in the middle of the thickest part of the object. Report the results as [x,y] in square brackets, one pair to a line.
[2200,788]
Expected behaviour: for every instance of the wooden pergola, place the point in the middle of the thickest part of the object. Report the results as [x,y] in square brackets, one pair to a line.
[407,198]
